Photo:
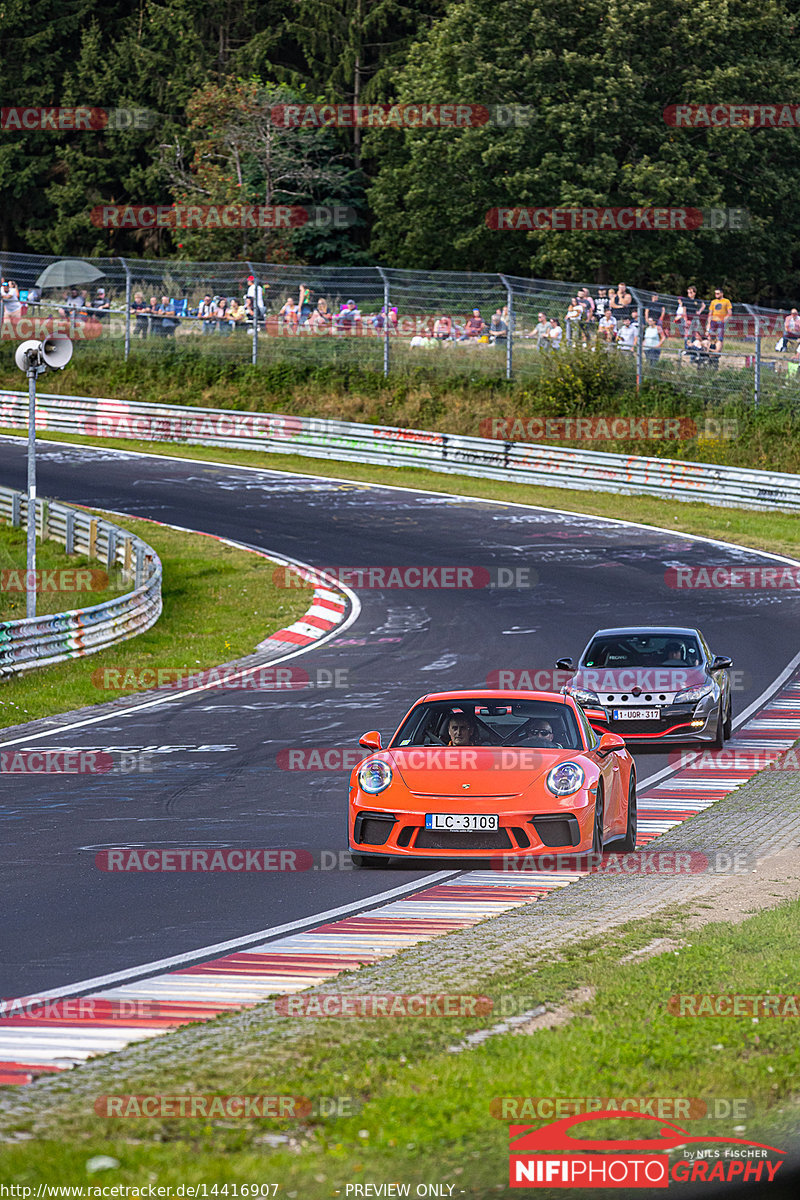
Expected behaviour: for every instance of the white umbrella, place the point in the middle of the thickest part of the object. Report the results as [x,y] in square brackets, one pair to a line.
[67,272]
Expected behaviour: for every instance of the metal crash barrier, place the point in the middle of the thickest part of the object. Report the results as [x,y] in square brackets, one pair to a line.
[52,638]
[347,441]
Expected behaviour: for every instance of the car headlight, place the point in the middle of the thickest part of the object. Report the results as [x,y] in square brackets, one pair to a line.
[565,779]
[374,776]
[582,696]
[695,693]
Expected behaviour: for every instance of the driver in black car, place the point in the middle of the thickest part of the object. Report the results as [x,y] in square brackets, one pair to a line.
[540,733]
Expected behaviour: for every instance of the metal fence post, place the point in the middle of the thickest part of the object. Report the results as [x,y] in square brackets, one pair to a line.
[639,341]
[757,372]
[386,297]
[510,330]
[127,309]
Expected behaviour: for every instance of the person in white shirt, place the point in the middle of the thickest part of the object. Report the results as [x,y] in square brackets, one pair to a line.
[256,297]
[607,328]
[573,318]
[12,305]
[628,335]
[653,340]
[554,334]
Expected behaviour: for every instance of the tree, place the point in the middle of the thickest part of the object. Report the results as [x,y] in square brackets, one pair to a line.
[595,79]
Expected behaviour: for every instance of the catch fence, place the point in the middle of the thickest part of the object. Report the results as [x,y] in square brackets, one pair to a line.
[401,323]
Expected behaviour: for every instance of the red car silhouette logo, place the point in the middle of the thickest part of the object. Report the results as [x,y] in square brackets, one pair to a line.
[526,1139]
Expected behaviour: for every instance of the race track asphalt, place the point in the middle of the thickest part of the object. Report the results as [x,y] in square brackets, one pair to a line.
[215,780]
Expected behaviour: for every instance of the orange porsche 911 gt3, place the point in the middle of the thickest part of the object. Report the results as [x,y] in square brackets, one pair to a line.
[490,773]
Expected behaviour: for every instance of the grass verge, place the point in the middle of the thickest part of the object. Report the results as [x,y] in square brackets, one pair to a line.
[60,588]
[219,603]
[420,1113]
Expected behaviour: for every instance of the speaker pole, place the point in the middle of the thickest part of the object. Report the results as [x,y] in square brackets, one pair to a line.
[30,576]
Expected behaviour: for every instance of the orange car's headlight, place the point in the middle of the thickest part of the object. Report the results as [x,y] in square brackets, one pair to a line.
[565,779]
[374,777]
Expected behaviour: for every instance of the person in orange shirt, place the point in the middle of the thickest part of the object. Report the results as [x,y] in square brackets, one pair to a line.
[719,310]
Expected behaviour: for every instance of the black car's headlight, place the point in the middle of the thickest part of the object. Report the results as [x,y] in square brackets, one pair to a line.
[565,779]
[374,777]
[582,696]
[694,693]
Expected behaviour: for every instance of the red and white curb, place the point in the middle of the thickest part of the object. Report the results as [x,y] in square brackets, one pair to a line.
[326,612]
[31,1046]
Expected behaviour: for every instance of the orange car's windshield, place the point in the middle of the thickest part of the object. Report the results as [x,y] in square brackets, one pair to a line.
[490,723]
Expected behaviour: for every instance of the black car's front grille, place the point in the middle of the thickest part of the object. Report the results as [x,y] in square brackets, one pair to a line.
[434,839]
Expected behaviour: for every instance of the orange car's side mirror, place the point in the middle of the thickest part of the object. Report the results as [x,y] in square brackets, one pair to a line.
[610,741]
[371,740]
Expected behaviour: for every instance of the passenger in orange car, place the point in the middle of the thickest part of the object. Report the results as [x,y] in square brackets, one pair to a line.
[462,731]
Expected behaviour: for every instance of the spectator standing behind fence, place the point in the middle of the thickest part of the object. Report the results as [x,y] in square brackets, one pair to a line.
[719,310]
[656,309]
[627,335]
[572,319]
[206,312]
[304,307]
[621,303]
[169,319]
[236,314]
[694,310]
[602,302]
[12,305]
[539,331]
[221,313]
[588,317]
[653,340]
[139,310]
[256,297]
[554,333]
[101,305]
[791,331]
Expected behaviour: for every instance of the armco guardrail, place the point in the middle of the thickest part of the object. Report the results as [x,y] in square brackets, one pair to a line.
[40,641]
[512,462]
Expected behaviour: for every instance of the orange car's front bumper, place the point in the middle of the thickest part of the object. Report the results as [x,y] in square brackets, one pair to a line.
[384,831]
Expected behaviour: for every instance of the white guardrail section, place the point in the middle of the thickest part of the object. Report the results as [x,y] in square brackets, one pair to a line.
[512,462]
[51,638]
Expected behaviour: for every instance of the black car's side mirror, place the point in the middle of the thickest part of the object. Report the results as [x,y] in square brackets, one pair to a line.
[564,664]
[720,662]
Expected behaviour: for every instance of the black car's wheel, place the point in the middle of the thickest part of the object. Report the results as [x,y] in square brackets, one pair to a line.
[727,728]
[367,862]
[629,842]
[599,811]
[719,736]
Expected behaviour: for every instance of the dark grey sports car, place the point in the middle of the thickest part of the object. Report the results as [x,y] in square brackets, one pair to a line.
[653,684]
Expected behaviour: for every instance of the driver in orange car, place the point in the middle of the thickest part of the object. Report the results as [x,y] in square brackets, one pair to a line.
[462,731]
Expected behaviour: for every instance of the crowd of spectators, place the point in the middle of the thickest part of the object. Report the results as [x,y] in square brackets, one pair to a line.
[607,320]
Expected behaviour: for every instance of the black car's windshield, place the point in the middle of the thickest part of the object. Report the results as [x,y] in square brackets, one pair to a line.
[643,650]
[490,723]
